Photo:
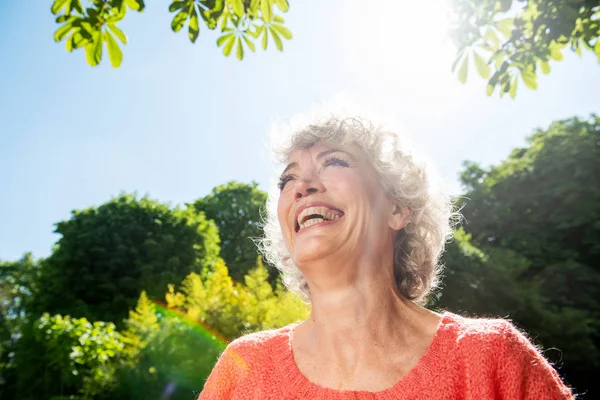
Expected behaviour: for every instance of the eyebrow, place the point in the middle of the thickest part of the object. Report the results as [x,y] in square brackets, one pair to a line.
[322,154]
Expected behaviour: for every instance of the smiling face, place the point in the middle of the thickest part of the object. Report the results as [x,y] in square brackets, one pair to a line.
[332,207]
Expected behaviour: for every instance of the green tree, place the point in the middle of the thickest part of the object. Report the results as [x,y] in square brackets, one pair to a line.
[543,203]
[237,210]
[507,40]
[16,286]
[108,254]
[70,357]
[92,24]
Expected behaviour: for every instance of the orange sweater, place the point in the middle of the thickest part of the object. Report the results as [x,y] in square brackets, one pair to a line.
[467,359]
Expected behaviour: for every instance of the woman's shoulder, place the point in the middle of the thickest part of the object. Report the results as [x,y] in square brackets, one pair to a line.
[479,329]
[487,338]
[254,346]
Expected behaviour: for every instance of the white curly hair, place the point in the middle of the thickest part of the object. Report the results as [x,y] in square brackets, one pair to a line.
[417,247]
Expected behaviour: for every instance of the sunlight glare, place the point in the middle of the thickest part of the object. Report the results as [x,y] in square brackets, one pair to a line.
[400,43]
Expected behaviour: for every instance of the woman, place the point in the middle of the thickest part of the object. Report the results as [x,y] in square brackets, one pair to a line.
[356,231]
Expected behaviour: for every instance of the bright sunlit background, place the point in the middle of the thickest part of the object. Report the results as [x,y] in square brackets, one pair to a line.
[178,119]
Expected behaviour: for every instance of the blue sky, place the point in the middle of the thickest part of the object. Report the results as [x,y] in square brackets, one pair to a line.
[178,119]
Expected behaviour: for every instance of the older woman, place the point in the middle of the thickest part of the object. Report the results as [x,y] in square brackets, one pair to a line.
[356,231]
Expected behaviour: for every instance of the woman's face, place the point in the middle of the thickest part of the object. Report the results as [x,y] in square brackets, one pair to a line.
[332,205]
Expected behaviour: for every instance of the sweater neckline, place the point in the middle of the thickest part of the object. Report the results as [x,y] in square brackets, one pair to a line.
[425,368]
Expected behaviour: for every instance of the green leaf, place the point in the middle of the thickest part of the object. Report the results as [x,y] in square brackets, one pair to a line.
[240,49]
[136,5]
[267,11]
[545,67]
[283,5]
[61,32]
[276,39]
[282,30]
[76,41]
[463,70]
[490,89]
[249,43]
[556,51]
[93,50]
[222,39]
[57,6]
[114,52]
[278,18]
[482,67]
[179,20]
[505,27]
[193,28]
[229,45]
[238,7]
[176,5]
[529,78]
[513,87]
[118,33]
[265,39]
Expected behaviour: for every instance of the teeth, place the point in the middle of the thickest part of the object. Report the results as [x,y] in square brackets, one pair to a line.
[326,214]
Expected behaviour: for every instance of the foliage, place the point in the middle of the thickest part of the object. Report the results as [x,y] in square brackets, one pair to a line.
[506,41]
[236,209]
[543,203]
[75,358]
[90,24]
[16,280]
[107,255]
[231,308]
[544,200]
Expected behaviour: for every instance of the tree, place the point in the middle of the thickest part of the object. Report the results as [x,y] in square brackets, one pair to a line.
[107,255]
[507,40]
[90,24]
[71,357]
[543,203]
[16,286]
[237,209]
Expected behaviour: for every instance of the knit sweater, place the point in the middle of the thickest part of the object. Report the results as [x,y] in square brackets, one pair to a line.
[467,359]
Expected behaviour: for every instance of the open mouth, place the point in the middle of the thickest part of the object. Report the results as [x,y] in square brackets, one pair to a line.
[314,215]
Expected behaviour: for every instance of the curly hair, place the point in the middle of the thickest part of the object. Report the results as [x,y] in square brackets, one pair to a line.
[417,246]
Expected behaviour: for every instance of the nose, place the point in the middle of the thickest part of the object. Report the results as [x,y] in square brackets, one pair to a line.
[307,186]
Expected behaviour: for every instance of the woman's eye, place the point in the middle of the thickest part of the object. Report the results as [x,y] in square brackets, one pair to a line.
[284,180]
[335,161]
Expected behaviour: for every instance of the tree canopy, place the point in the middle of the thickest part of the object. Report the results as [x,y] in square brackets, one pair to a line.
[509,40]
[108,254]
[236,208]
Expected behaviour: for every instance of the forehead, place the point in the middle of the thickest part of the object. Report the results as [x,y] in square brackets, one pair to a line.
[319,150]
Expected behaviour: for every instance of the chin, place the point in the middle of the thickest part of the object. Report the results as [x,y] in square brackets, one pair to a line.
[312,249]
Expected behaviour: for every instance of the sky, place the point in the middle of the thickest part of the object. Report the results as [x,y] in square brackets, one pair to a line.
[177,119]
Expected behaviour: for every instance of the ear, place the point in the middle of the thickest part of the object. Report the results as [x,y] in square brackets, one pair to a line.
[400,217]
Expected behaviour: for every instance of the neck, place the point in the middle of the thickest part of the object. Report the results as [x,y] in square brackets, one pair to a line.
[362,305]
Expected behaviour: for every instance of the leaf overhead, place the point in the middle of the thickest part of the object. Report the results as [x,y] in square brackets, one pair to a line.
[240,23]
[480,64]
[114,52]
[464,69]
